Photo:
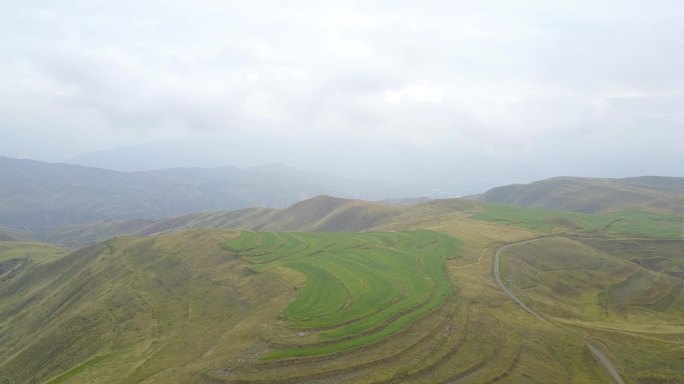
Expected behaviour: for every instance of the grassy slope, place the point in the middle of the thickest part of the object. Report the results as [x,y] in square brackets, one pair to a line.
[655,194]
[322,213]
[625,293]
[17,257]
[37,252]
[325,213]
[639,354]
[178,307]
[480,337]
[630,223]
[486,338]
[153,307]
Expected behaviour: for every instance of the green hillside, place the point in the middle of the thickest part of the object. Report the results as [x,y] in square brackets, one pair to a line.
[318,214]
[17,257]
[131,309]
[219,306]
[627,223]
[331,214]
[334,290]
[583,194]
[625,293]
[360,288]
[35,252]
[667,184]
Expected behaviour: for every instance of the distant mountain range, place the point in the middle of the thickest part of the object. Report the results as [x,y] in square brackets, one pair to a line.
[77,205]
[37,196]
[333,214]
[318,214]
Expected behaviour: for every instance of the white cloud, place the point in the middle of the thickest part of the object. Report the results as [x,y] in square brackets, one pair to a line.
[512,79]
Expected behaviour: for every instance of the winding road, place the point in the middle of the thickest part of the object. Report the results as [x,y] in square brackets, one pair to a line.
[497,276]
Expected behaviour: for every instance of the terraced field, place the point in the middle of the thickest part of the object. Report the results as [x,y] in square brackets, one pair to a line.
[394,307]
[360,288]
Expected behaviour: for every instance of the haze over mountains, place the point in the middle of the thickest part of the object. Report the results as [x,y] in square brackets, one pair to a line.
[38,195]
[318,214]
[334,214]
[408,170]
[77,205]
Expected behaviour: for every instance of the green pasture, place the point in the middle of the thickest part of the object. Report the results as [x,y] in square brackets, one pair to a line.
[35,251]
[359,288]
[630,223]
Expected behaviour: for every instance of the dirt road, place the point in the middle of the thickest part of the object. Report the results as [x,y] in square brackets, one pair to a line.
[497,276]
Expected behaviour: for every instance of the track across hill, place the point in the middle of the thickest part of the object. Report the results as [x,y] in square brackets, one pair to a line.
[497,276]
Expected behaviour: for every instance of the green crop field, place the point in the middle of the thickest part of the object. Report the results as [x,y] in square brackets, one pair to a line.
[359,288]
[631,223]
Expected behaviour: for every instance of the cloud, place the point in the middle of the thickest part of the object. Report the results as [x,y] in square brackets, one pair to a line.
[514,80]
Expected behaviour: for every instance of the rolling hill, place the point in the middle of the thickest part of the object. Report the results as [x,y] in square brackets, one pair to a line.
[581,194]
[138,302]
[318,214]
[625,293]
[217,306]
[333,290]
[333,214]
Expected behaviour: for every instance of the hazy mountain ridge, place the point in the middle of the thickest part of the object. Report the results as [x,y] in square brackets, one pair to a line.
[666,184]
[6,237]
[39,196]
[582,194]
[334,214]
[318,214]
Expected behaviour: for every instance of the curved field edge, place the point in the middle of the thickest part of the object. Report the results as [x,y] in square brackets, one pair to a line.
[340,302]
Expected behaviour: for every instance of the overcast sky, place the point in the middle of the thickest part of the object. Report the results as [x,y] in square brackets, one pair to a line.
[564,87]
